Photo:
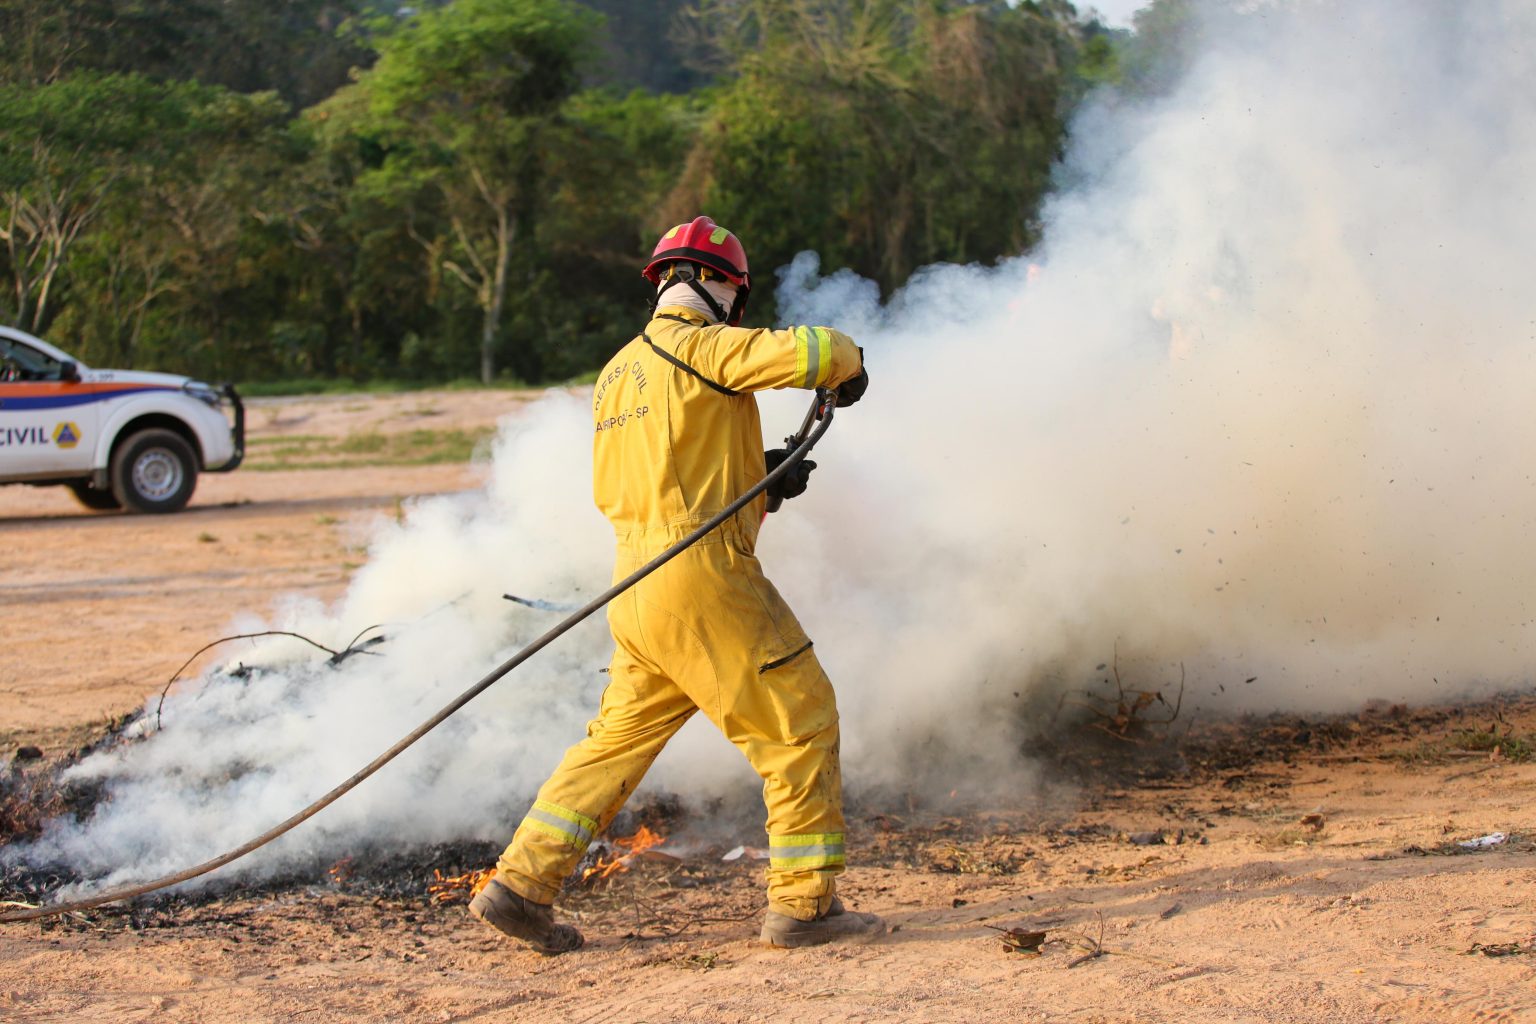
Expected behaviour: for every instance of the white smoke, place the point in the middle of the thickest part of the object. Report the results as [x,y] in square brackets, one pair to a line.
[1260,412]
[1259,409]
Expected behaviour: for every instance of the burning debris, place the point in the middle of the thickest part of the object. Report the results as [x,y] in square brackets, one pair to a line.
[458,888]
[973,842]
[608,863]
[36,791]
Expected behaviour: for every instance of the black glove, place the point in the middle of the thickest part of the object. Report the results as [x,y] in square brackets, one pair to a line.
[852,389]
[792,484]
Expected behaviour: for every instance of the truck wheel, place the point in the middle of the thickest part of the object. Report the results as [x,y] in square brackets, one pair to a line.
[153,471]
[90,497]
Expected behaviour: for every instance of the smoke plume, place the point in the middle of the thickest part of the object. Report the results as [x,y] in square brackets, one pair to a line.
[1256,407]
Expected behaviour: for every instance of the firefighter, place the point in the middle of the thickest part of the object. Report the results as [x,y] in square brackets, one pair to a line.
[677,438]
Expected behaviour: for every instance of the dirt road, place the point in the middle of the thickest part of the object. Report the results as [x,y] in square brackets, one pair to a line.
[1297,874]
[98,606]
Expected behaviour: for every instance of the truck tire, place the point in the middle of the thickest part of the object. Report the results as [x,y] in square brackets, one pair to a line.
[153,471]
[91,498]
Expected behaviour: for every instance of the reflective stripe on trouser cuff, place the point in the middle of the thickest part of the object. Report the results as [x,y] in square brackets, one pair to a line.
[575,829]
[809,851]
[813,355]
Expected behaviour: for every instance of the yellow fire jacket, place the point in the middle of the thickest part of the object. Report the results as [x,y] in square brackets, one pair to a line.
[697,449]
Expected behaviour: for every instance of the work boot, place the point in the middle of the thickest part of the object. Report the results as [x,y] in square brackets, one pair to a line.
[836,924]
[532,923]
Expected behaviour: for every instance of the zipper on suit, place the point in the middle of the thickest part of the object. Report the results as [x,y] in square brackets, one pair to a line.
[777,662]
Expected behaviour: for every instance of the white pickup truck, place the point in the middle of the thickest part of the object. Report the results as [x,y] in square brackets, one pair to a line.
[117,438]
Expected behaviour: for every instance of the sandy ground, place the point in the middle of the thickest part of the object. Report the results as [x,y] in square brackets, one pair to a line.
[114,598]
[1370,912]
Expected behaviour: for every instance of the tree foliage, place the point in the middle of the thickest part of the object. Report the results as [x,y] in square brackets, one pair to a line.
[893,133]
[366,188]
[295,48]
[466,105]
[110,178]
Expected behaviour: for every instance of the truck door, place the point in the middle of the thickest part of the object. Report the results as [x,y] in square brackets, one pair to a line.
[47,424]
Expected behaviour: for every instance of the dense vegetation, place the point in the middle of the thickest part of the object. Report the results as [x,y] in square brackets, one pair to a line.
[365,189]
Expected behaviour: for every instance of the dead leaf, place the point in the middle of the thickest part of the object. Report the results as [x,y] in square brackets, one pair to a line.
[1021,940]
[1499,948]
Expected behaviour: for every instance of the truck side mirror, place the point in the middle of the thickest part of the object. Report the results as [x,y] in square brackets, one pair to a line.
[69,371]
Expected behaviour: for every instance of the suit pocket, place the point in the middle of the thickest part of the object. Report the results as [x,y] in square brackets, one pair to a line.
[784,659]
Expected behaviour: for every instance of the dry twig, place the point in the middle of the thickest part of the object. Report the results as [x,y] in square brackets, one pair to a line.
[336,656]
[1129,706]
[658,918]
[1095,947]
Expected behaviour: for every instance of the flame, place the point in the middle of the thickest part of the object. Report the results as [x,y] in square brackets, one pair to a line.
[341,870]
[644,839]
[448,888]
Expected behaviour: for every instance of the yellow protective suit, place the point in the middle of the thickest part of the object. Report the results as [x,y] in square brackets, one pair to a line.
[707,631]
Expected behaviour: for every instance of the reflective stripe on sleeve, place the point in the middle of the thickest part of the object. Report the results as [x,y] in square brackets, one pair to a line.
[824,850]
[813,356]
[552,819]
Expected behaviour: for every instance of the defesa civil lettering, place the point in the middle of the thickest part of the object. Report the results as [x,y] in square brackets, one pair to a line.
[23,435]
[623,418]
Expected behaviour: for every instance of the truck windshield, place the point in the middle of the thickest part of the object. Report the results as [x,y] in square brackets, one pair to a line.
[23,362]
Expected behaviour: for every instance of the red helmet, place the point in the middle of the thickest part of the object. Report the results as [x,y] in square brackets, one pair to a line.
[701,241]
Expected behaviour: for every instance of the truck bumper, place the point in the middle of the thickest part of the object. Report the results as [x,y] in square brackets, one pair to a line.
[236,434]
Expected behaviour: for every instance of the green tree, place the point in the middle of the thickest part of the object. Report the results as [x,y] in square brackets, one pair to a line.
[460,207]
[584,297]
[64,148]
[360,276]
[132,207]
[887,134]
[468,99]
[643,48]
[43,41]
[295,48]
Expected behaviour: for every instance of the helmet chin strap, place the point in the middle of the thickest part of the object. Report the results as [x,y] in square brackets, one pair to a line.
[685,275]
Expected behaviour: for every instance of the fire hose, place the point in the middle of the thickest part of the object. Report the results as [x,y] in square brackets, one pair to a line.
[817,420]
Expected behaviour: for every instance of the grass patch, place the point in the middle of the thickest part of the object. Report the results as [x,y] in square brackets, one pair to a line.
[371,443]
[321,386]
[1509,746]
[370,448]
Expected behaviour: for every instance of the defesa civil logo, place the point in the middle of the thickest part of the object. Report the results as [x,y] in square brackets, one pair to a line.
[66,435]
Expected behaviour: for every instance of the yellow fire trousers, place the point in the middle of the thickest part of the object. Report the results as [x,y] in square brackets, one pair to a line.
[705,632]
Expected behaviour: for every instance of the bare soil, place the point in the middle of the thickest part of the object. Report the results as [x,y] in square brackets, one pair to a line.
[1256,872]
